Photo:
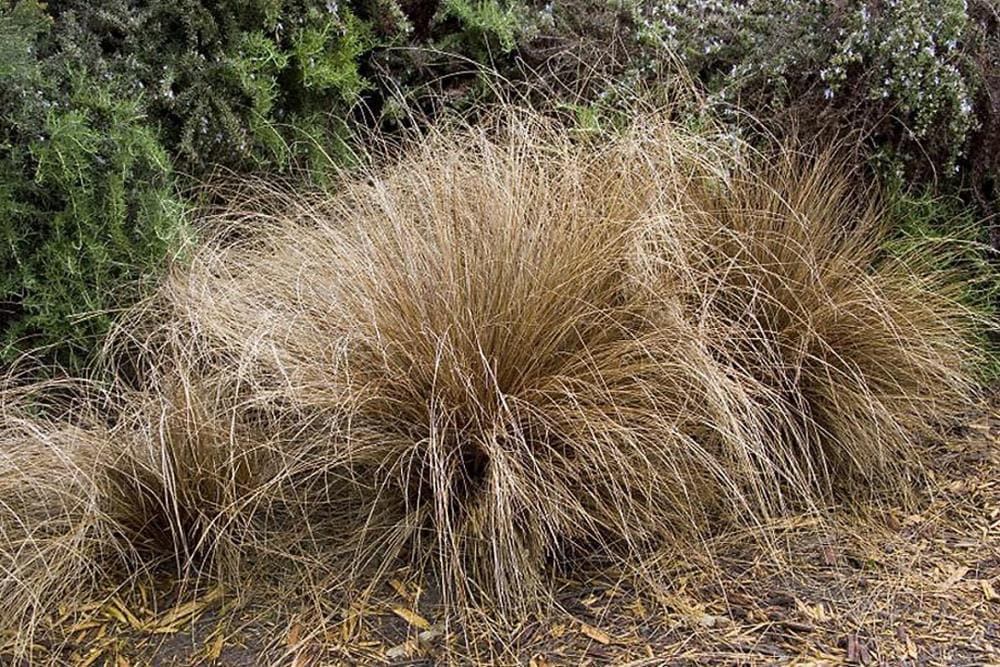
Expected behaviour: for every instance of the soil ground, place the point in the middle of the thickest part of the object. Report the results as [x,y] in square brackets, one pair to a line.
[900,587]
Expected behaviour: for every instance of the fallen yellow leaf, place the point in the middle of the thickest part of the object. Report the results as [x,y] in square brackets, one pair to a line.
[407,649]
[92,657]
[349,628]
[83,625]
[400,588]
[113,612]
[215,648]
[130,618]
[911,649]
[412,617]
[189,609]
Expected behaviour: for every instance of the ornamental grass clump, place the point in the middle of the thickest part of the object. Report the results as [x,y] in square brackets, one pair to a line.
[513,351]
[528,346]
[867,348]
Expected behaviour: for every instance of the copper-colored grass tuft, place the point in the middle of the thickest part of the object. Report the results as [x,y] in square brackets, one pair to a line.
[53,533]
[508,351]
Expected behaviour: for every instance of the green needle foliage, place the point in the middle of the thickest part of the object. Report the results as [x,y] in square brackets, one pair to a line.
[235,83]
[87,202]
[109,109]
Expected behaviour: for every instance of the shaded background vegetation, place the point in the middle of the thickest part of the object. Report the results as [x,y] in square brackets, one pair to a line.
[111,110]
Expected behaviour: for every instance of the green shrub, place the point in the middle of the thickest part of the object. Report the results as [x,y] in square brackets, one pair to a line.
[451,52]
[247,84]
[87,197]
[105,107]
[486,27]
[104,103]
[272,84]
[919,79]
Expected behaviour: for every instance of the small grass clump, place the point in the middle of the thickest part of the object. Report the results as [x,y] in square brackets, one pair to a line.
[513,352]
[53,532]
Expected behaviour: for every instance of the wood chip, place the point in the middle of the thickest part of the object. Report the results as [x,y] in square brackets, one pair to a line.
[955,576]
[412,647]
[989,592]
[293,634]
[596,634]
